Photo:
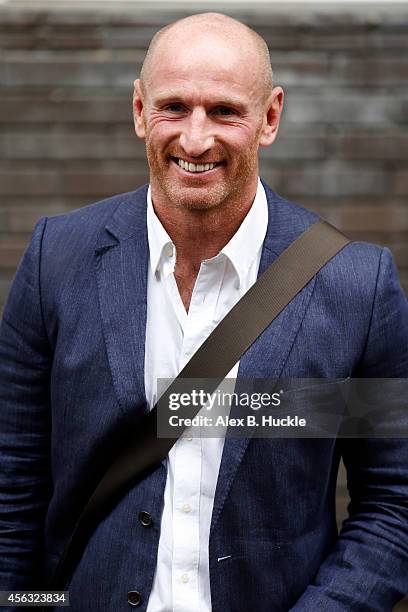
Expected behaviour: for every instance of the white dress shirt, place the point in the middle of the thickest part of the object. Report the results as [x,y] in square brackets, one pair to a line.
[182,580]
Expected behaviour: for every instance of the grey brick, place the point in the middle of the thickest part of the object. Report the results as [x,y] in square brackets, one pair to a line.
[400,183]
[47,183]
[298,69]
[400,252]
[368,219]
[375,72]
[59,144]
[328,179]
[60,106]
[91,70]
[345,107]
[375,144]
[10,253]
[292,146]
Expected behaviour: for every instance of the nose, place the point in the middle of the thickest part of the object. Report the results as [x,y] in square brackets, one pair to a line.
[196,137]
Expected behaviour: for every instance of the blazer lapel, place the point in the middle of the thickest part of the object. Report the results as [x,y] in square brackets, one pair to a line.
[268,354]
[121,258]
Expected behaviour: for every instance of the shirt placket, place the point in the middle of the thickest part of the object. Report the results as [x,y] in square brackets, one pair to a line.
[187,454]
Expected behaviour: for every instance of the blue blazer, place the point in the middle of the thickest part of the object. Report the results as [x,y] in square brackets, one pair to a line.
[72,386]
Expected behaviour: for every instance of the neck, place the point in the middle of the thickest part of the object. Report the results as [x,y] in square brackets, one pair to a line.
[201,234]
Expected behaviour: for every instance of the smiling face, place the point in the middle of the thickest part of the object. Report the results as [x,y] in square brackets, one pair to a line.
[203,113]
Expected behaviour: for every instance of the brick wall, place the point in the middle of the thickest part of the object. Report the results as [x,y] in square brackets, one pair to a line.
[66,136]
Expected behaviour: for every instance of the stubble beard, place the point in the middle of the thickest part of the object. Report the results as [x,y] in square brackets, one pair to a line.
[201,198]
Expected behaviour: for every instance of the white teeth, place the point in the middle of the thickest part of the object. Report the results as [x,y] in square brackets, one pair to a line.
[194,167]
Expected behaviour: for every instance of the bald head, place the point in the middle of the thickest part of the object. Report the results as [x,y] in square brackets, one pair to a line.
[202,29]
[204,105]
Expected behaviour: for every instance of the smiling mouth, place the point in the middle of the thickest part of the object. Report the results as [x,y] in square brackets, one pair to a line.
[195,168]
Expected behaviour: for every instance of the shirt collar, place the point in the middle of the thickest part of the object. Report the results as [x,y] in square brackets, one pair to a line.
[247,241]
[158,238]
[241,250]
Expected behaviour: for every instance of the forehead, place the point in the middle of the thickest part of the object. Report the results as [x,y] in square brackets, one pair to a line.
[207,64]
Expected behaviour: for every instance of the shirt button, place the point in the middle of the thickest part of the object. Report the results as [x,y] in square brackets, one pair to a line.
[188,438]
[186,508]
[145,519]
[169,250]
[185,578]
[134,598]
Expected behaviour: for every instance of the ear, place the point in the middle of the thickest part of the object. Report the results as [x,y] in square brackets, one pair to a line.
[272,117]
[138,117]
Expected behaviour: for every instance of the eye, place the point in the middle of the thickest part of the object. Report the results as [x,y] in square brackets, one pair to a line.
[174,107]
[224,111]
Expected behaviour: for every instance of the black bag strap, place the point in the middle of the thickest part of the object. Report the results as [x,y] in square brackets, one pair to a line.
[250,316]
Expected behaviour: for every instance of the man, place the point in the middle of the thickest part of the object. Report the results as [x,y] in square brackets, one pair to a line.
[114,296]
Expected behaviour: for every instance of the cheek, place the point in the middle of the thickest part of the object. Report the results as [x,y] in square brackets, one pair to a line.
[156,121]
[240,138]
[244,147]
[160,136]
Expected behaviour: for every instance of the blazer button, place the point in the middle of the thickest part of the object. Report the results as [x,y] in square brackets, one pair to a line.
[145,519]
[134,598]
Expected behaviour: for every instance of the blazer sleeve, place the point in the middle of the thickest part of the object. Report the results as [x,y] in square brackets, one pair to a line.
[25,425]
[367,570]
